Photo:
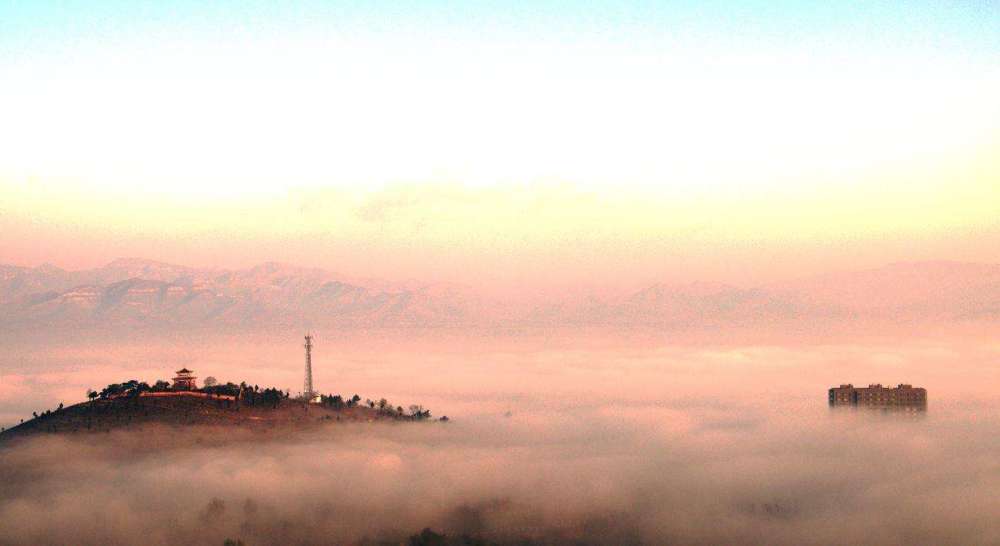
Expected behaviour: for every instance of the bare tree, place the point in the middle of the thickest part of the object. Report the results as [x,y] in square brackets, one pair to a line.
[211,381]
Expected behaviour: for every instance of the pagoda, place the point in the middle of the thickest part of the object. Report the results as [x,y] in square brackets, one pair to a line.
[185,381]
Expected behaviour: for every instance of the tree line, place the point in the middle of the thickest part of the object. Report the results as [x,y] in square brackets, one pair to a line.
[254,396]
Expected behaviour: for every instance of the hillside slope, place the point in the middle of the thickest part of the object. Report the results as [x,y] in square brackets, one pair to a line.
[127,413]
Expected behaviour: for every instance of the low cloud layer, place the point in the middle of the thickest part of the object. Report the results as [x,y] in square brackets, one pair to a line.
[737,473]
[558,442]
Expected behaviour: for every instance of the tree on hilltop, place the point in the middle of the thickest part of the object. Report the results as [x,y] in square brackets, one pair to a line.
[272,397]
[428,537]
[418,412]
[160,386]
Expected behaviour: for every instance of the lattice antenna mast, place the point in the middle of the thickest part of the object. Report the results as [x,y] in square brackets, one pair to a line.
[307,389]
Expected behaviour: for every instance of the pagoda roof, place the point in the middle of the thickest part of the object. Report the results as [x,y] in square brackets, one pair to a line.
[184,370]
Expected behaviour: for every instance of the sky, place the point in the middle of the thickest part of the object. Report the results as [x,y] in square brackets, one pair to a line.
[482,142]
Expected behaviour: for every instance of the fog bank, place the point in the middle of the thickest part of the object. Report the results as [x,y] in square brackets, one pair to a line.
[555,443]
[732,473]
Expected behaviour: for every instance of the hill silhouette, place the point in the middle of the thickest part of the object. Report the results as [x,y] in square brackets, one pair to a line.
[266,409]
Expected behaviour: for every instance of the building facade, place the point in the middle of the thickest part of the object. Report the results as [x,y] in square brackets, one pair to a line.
[876,395]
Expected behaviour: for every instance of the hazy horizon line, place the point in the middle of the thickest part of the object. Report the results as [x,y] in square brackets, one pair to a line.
[141,260]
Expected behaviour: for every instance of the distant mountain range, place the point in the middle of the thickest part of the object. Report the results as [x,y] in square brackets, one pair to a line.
[134,292]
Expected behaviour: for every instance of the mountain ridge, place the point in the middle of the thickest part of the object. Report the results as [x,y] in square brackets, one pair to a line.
[136,291]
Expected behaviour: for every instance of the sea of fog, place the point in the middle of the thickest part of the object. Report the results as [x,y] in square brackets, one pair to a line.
[551,439]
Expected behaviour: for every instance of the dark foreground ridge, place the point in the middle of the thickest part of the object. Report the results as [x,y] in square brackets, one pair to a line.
[134,405]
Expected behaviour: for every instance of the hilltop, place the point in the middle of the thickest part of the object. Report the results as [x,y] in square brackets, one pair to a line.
[262,410]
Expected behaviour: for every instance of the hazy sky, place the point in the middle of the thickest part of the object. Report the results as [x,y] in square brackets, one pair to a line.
[539,142]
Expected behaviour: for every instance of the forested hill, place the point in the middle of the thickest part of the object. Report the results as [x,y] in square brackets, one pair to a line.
[264,410]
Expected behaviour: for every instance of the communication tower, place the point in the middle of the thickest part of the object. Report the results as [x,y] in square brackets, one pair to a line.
[307,389]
